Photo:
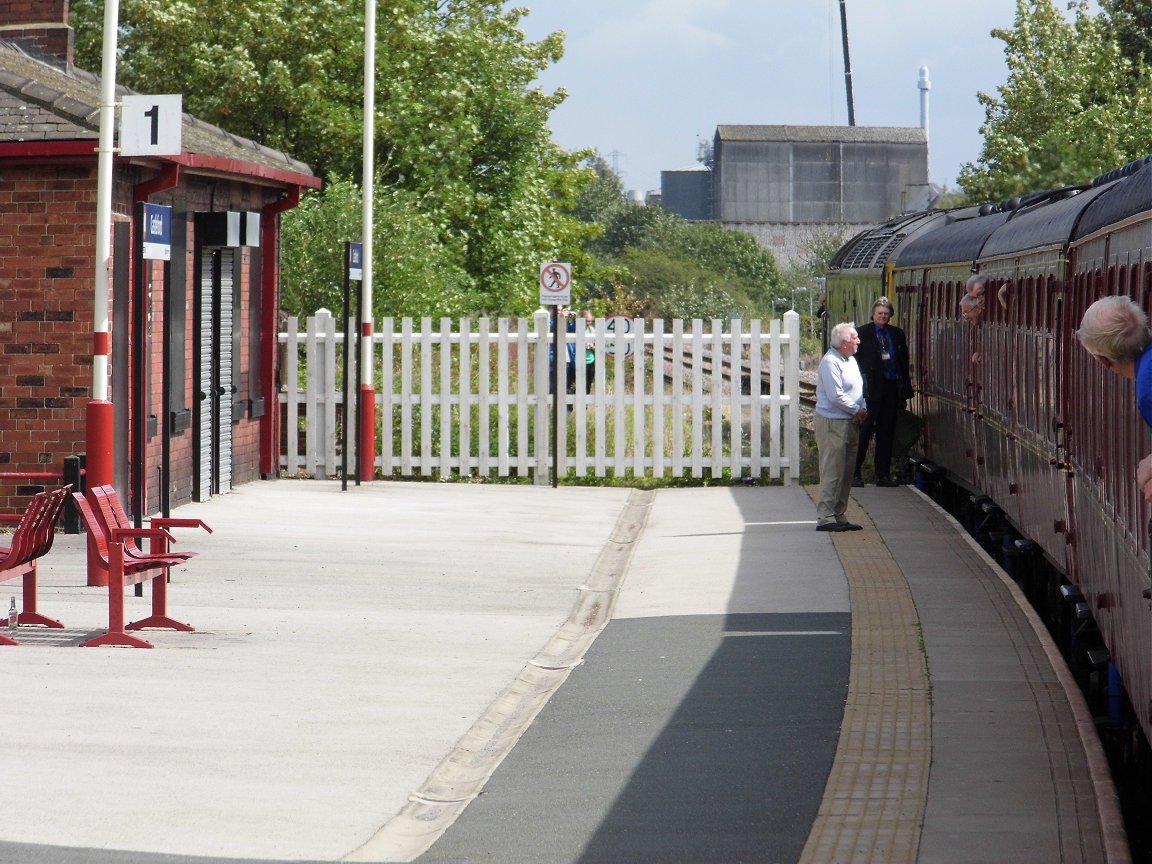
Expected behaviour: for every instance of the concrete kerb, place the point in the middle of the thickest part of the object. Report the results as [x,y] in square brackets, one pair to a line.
[461,776]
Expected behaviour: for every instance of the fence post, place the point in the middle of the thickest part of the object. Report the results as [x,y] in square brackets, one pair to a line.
[792,388]
[292,396]
[540,378]
[735,398]
[755,401]
[388,397]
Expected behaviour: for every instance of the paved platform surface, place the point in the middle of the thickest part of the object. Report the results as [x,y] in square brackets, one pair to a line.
[464,673]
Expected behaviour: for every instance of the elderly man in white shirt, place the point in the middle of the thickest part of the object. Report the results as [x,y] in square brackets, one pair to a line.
[839,412]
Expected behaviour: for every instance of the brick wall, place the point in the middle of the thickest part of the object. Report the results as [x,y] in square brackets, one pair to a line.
[40,27]
[47,243]
[46,253]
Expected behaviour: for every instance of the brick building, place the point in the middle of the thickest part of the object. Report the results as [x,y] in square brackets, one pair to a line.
[192,360]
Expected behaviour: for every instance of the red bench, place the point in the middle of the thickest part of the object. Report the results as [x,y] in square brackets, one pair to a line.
[114,543]
[31,540]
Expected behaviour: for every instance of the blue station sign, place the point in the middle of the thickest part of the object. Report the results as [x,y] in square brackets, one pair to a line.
[157,237]
[356,262]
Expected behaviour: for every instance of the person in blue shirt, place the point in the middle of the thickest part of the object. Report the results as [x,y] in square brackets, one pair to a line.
[586,371]
[883,359]
[1115,331]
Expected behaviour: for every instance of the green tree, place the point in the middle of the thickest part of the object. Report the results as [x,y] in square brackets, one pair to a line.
[675,286]
[732,254]
[461,133]
[287,74]
[603,195]
[421,277]
[1068,111]
[1131,24]
[651,261]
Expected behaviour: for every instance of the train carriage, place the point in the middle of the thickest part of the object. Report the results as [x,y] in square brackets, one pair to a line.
[1012,407]
[1110,252]
[934,268]
[1026,261]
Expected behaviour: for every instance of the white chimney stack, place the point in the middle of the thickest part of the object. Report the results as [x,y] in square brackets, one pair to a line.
[925,86]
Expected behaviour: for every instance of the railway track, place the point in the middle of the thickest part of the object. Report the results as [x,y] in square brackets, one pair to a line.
[807,379]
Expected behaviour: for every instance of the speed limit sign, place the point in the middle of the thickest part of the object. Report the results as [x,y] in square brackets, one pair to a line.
[618,327]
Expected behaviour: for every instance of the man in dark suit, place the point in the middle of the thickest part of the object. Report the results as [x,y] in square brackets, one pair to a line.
[883,360]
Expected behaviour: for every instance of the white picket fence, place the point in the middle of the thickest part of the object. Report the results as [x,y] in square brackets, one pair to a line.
[473,399]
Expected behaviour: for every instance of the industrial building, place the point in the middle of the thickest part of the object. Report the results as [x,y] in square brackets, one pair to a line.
[782,184]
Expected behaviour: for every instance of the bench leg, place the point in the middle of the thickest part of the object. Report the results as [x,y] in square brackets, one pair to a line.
[5,640]
[30,615]
[116,634]
[159,616]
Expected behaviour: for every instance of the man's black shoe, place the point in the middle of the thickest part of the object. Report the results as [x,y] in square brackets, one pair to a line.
[832,526]
[850,526]
[857,482]
[886,481]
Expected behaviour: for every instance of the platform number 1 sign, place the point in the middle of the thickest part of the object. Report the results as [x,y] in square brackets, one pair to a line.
[151,125]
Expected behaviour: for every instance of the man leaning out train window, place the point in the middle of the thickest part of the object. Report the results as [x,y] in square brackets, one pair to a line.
[1115,331]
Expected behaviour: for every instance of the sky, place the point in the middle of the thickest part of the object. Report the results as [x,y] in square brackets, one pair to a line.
[648,80]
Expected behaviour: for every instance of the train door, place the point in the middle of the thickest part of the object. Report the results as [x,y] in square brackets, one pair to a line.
[1052,422]
[212,416]
[973,362]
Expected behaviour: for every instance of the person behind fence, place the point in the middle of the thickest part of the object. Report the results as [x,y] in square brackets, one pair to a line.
[563,314]
[883,360]
[589,354]
[1115,331]
[839,412]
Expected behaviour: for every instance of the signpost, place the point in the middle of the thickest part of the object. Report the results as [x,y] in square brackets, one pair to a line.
[556,291]
[353,272]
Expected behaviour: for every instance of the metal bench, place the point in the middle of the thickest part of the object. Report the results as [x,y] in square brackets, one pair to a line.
[31,540]
[114,546]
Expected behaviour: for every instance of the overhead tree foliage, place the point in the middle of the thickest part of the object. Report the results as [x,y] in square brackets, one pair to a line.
[1073,107]
[423,277]
[287,74]
[1131,24]
[462,137]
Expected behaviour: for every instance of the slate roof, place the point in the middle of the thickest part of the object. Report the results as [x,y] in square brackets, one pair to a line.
[41,102]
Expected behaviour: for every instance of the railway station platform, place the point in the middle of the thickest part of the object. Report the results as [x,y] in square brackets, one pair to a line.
[525,675]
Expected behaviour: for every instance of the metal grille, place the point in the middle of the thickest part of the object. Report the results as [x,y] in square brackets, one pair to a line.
[872,251]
